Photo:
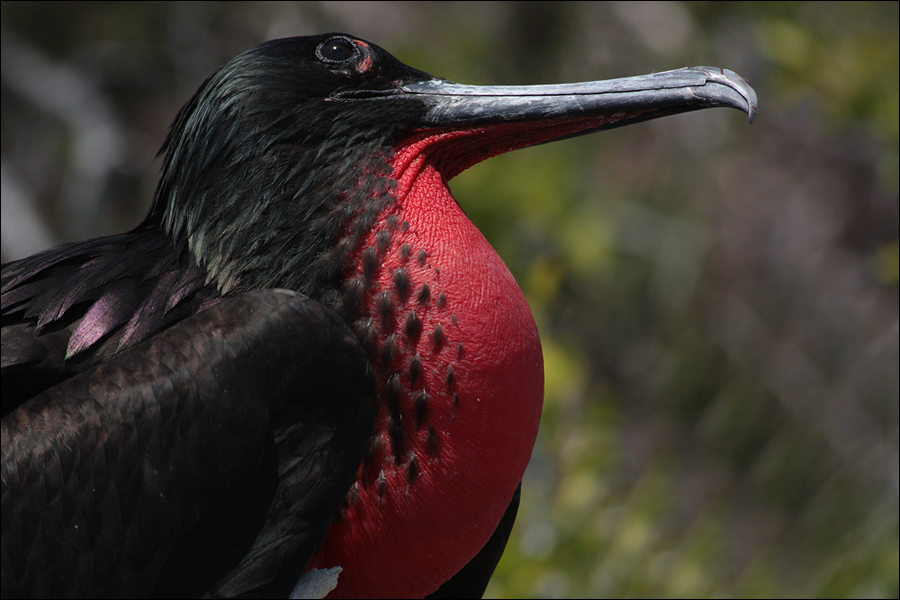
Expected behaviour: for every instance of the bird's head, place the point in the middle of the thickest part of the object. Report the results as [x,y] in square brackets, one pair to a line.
[264,165]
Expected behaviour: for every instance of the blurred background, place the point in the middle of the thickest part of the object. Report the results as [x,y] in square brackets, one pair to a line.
[718,302]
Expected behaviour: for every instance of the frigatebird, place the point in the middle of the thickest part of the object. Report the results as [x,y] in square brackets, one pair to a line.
[306,355]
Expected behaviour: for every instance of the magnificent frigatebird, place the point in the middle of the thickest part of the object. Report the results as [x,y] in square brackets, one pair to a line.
[306,355]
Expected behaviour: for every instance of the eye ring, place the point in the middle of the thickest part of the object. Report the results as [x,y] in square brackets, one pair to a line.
[336,50]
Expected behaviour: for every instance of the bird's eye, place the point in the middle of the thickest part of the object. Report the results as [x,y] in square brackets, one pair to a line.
[336,50]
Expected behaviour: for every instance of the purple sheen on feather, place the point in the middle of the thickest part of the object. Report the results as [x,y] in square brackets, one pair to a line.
[149,316]
[72,291]
[107,313]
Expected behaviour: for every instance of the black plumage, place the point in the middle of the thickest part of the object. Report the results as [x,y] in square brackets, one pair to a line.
[213,408]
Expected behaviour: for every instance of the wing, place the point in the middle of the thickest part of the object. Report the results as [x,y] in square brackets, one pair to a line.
[73,307]
[235,433]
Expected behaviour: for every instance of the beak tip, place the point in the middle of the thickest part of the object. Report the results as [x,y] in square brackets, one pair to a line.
[738,84]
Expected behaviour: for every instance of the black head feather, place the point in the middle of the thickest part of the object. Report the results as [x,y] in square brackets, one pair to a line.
[275,155]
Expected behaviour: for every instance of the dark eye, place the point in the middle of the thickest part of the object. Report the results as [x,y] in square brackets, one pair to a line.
[336,50]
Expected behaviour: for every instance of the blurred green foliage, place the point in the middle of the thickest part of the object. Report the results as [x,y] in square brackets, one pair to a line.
[718,303]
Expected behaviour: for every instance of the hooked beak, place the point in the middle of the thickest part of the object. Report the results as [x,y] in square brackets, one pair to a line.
[614,102]
[461,125]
